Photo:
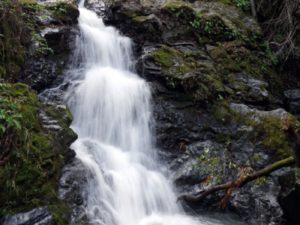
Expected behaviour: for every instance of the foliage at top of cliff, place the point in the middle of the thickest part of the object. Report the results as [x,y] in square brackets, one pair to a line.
[20,24]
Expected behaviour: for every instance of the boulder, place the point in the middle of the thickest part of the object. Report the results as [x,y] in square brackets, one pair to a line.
[292,98]
[289,197]
[38,216]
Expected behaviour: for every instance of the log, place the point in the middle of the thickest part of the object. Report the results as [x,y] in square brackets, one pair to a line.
[239,182]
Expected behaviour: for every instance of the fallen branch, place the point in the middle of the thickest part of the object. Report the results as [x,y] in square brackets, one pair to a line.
[244,177]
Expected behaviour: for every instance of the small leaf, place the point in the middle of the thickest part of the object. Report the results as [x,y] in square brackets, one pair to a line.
[17,124]
[2,129]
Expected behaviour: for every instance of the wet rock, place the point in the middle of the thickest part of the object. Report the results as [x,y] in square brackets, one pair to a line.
[191,167]
[72,190]
[293,101]
[39,73]
[38,216]
[289,197]
[51,44]
[250,89]
[256,114]
[97,7]
[259,205]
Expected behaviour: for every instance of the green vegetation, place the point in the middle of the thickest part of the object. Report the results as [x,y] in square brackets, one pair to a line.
[19,29]
[245,5]
[31,156]
[9,117]
[178,70]
[210,164]
[268,131]
[213,28]
[42,46]
[274,138]
[14,35]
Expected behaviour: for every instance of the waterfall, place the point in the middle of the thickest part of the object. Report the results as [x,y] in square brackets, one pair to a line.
[112,111]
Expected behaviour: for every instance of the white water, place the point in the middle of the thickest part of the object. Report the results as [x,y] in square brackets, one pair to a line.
[112,113]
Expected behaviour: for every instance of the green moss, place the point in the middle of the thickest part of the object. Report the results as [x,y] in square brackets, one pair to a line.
[213,28]
[235,57]
[60,212]
[30,5]
[140,19]
[274,138]
[14,37]
[29,178]
[261,181]
[41,47]
[165,56]
[185,72]
[174,63]
[176,5]
[268,131]
[65,12]
[221,111]
[210,164]
[245,5]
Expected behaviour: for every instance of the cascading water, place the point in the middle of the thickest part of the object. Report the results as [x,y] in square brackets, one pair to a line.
[112,113]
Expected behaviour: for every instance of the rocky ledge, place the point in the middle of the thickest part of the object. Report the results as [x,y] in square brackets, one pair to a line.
[34,134]
[218,99]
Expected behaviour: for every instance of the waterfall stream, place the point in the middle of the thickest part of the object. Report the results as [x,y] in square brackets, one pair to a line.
[111,106]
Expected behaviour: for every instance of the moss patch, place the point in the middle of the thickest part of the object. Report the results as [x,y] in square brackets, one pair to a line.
[14,35]
[29,177]
[268,130]
[184,71]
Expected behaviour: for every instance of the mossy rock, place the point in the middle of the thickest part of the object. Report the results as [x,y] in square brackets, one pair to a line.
[29,177]
[192,73]
[175,6]
[14,35]
[64,11]
[214,21]
[268,128]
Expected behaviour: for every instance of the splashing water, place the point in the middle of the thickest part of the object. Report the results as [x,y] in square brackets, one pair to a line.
[112,115]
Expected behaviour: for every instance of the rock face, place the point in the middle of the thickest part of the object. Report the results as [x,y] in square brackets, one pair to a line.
[293,101]
[34,135]
[51,44]
[218,102]
[39,216]
[290,195]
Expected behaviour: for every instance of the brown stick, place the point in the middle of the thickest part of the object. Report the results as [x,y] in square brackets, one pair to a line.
[239,182]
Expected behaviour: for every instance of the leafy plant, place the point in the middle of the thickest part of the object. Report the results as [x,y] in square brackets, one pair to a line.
[196,23]
[9,117]
[243,4]
[30,5]
[42,47]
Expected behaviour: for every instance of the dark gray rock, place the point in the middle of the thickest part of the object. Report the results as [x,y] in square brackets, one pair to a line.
[51,45]
[38,216]
[258,204]
[289,197]
[292,98]
[256,114]
[97,7]
[72,190]
[251,90]
[293,94]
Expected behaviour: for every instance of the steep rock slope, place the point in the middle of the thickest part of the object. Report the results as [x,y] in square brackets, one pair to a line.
[217,97]
[34,136]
